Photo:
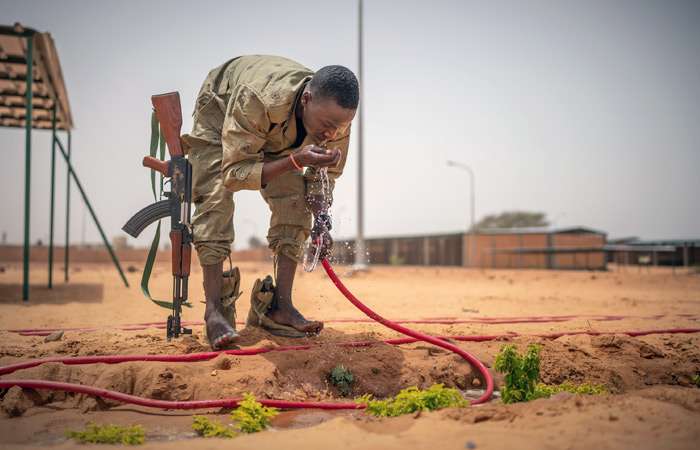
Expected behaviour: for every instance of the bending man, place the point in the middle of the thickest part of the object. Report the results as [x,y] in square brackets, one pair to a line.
[258,122]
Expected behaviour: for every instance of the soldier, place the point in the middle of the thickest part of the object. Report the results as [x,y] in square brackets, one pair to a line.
[258,122]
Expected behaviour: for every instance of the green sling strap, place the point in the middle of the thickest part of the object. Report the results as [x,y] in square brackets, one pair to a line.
[157,144]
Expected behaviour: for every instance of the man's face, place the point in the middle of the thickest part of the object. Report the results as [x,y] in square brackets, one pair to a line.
[324,119]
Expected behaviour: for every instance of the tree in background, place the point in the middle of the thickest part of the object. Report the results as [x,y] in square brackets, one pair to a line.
[513,219]
[255,242]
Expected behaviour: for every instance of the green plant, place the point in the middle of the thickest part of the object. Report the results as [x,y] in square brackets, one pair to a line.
[251,416]
[521,372]
[412,399]
[342,378]
[547,390]
[109,434]
[696,380]
[208,428]
[522,377]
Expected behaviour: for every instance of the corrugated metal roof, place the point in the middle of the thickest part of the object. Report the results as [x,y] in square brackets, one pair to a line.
[674,242]
[490,231]
[48,87]
[541,230]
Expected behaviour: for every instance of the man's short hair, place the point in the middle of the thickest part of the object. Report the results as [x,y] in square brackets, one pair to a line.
[338,83]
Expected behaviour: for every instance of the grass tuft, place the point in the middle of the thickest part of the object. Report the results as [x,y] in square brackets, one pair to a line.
[251,416]
[412,399]
[109,434]
[208,428]
[547,390]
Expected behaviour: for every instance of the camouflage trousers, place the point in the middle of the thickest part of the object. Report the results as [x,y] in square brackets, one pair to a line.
[212,221]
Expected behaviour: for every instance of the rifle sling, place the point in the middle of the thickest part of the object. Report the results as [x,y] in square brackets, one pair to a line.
[157,143]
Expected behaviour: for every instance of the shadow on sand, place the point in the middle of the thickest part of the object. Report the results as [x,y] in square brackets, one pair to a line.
[59,294]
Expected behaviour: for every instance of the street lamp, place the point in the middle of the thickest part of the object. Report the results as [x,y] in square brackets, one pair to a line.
[360,249]
[471,186]
[471,230]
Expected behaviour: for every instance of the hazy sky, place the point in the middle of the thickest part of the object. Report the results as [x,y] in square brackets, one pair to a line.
[588,111]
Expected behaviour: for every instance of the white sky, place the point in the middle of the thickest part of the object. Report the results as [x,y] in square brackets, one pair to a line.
[588,111]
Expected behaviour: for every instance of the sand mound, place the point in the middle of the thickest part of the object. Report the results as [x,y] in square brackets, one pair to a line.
[380,370]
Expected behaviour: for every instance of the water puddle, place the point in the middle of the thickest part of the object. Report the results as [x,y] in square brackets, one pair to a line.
[304,418]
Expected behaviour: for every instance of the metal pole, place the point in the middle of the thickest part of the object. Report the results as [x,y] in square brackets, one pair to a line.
[27,165]
[472,203]
[92,213]
[67,247]
[471,198]
[360,256]
[53,190]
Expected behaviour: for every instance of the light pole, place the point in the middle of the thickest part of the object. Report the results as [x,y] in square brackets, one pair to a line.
[471,201]
[360,256]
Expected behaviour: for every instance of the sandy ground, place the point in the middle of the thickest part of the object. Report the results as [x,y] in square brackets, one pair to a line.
[652,404]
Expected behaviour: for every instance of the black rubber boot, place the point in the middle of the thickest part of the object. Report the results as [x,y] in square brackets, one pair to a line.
[219,331]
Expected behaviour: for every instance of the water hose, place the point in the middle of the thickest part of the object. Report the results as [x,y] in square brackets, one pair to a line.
[475,363]
[504,320]
[413,336]
[205,356]
[197,404]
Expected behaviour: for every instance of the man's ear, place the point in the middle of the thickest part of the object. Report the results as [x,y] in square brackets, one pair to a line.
[305,98]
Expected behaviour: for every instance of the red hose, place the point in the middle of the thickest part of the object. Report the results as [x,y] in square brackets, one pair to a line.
[197,404]
[414,334]
[167,404]
[429,320]
[205,356]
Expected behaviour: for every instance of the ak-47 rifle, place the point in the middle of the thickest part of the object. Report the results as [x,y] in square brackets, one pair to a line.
[177,205]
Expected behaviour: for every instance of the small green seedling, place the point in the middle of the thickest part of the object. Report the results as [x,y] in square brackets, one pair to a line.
[522,377]
[342,378]
[251,416]
[109,434]
[696,380]
[412,399]
[547,390]
[521,372]
[208,428]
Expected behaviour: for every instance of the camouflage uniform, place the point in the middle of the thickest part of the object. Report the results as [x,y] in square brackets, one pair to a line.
[243,117]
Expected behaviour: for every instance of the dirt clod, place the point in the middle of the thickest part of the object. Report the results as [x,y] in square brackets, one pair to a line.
[17,401]
[56,336]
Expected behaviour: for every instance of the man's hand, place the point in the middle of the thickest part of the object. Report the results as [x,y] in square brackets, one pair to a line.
[315,156]
[310,155]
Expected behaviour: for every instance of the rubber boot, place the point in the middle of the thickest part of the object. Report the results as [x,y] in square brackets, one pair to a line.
[219,331]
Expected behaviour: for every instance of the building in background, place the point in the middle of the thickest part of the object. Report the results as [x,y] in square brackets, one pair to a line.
[533,248]
[663,252]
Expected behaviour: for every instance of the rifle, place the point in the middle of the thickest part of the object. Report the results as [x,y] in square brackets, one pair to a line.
[177,204]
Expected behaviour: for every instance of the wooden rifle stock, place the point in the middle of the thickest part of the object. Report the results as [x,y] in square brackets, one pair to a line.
[157,165]
[181,254]
[178,169]
[169,114]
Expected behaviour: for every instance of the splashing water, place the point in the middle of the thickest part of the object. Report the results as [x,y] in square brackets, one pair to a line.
[312,249]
